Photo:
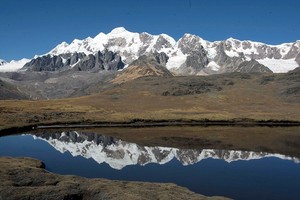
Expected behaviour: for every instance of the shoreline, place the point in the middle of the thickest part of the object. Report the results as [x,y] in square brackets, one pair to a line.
[140,123]
[27,178]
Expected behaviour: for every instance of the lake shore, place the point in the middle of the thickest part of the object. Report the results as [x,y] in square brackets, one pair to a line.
[26,178]
[141,123]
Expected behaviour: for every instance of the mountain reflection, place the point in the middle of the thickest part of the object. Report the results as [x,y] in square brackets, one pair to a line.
[118,154]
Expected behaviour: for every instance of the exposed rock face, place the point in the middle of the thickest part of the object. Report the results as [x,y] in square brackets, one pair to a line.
[45,63]
[106,60]
[298,59]
[252,67]
[150,65]
[26,178]
[257,51]
[189,43]
[100,61]
[162,42]
[161,58]
[190,55]
[196,59]
[293,51]
[226,63]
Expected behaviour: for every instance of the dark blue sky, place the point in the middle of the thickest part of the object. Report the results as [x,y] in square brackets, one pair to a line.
[36,26]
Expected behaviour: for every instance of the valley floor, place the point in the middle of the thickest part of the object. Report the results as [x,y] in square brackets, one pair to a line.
[232,97]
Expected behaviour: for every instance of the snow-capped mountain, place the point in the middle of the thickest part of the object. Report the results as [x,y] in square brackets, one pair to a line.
[189,55]
[129,45]
[13,65]
[118,154]
[190,51]
[2,62]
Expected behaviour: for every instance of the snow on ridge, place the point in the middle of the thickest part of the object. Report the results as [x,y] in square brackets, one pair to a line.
[279,65]
[130,45]
[13,65]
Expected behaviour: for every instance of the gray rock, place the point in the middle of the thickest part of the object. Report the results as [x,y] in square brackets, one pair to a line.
[162,42]
[146,65]
[161,58]
[190,43]
[10,91]
[106,60]
[227,64]
[53,63]
[117,42]
[294,51]
[151,62]
[265,51]
[197,56]
[298,59]
[252,67]
[45,63]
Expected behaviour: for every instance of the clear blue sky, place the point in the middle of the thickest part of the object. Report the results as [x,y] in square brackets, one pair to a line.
[30,27]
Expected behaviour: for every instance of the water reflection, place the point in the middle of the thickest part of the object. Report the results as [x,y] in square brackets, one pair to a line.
[118,154]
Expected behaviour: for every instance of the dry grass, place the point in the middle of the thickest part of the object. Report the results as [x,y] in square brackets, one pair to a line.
[143,99]
[24,178]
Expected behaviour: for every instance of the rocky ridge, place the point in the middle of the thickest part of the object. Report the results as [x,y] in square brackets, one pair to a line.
[190,55]
[106,60]
[147,65]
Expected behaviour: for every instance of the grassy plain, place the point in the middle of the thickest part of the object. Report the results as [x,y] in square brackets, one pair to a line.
[219,97]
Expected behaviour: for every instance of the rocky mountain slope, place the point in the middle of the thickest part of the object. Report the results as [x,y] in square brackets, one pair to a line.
[189,55]
[106,60]
[298,59]
[10,91]
[52,85]
[118,154]
[146,65]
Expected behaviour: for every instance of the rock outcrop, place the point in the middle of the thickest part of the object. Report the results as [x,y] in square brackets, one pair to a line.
[147,65]
[297,59]
[252,66]
[26,178]
[106,60]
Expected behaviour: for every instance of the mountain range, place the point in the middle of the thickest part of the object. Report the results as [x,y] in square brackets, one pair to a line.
[190,55]
[119,154]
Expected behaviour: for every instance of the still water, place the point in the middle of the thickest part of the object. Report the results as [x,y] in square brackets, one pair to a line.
[235,174]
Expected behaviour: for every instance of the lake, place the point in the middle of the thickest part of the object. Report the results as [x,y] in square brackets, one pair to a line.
[212,172]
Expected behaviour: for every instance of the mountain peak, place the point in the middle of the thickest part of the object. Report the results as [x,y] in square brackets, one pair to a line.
[2,62]
[232,39]
[187,51]
[118,30]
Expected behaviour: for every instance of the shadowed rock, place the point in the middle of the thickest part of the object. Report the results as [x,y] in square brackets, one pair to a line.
[106,60]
